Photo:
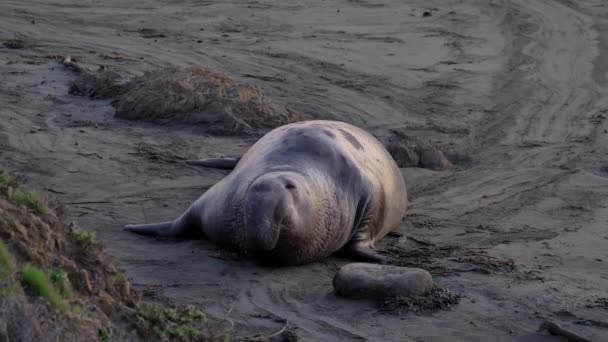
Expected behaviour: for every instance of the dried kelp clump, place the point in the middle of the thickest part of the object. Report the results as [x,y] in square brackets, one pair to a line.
[438,299]
[194,96]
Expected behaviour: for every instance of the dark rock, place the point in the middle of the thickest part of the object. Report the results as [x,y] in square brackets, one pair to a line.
[151,33]
[432,158]
[362,280]
[17,44]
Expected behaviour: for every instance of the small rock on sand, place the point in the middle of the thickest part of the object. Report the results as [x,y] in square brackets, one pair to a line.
[362,280]
[432,158]
[403,155]
[14,44]
[410,155]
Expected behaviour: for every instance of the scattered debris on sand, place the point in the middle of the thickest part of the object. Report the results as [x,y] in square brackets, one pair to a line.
[436,299]
[57,283]
[192,95]
[598,303]
[448,259]
[285,334]
[163,154]
[17,43]
[150,33]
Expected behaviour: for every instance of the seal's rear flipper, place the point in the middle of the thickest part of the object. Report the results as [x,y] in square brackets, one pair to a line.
[153,229]
[216,163]
[185,225]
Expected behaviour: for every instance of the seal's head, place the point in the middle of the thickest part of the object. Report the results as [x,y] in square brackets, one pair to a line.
[276,206]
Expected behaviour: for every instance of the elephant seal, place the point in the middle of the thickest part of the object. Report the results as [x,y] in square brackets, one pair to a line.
[301,193]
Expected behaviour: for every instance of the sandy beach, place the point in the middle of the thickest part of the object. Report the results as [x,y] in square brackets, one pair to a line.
[514,92]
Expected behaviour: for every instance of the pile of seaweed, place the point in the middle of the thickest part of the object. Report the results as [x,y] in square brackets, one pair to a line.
[58,284]
[437,299]
[191,95]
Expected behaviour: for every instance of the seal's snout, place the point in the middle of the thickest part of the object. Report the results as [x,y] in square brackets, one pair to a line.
[265,205]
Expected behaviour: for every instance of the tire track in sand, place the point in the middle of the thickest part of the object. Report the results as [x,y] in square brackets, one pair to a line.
[547,88]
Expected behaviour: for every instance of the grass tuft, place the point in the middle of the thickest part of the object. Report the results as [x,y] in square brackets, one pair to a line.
[37,281]
[30,200]
[168,323]
[60,281]
[85,239]
[6,263]
[103,335]
[4,179]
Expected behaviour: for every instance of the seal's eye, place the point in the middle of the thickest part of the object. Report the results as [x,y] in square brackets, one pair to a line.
[289,186]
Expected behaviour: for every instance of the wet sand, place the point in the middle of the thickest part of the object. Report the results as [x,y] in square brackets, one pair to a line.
[513,91]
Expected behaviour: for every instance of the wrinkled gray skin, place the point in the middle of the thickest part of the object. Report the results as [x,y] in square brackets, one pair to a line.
[302,192]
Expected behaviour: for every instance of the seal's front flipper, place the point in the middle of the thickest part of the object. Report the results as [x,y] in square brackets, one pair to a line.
[361,250]
[360,245]
[216,163]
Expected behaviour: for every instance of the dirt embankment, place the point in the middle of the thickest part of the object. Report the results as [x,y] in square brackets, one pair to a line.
[58,284]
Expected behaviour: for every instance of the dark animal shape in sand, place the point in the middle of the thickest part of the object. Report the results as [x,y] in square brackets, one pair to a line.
[301,193]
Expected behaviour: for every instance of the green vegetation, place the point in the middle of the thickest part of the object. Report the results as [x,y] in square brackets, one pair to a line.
[60,281]
[168,323]
[85,239]
[37,281]
[119,280]
[29,199]
[7,268]
[6,262]
[4,179]
[103,335]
